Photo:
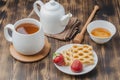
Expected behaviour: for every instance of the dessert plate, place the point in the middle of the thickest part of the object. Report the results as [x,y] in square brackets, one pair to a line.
[67,70]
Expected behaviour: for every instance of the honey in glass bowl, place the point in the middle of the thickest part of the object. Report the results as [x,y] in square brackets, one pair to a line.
[101,32]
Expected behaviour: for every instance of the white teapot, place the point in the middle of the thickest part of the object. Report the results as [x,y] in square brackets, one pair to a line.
[52,16]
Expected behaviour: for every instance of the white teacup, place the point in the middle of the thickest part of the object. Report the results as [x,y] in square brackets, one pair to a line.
[26,44]
[101,24]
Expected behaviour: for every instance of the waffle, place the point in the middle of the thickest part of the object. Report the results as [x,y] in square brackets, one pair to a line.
[84,53]
[67,57]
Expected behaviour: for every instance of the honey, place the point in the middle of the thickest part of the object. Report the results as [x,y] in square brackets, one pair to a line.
[101,32]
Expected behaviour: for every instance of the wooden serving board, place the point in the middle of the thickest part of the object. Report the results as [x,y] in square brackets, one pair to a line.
[31,58]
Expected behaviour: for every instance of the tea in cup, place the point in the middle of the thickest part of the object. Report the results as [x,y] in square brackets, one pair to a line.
[27,36]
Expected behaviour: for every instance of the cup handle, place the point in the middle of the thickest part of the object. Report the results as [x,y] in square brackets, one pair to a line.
[6,33]
[35,6]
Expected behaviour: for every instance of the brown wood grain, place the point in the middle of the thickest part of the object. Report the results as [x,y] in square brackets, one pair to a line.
[108,67]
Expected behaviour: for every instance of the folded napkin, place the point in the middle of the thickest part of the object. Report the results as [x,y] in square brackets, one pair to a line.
[70,31]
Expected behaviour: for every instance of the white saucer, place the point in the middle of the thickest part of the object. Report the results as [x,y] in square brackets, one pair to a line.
[67,70]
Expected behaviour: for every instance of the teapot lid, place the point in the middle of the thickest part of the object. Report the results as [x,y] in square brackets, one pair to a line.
[52,5]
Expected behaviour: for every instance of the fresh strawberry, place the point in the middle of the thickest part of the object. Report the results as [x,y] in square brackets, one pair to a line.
[58,59]
[76,66]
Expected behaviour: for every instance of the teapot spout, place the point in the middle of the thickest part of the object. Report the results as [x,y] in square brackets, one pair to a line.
[65,19]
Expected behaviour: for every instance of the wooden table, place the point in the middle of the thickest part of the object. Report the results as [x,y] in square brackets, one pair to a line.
[108,67]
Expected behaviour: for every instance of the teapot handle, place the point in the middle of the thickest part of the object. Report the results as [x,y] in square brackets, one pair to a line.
[35,6]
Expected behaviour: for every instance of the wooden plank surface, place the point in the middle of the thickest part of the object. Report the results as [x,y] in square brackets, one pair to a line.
[108,67]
